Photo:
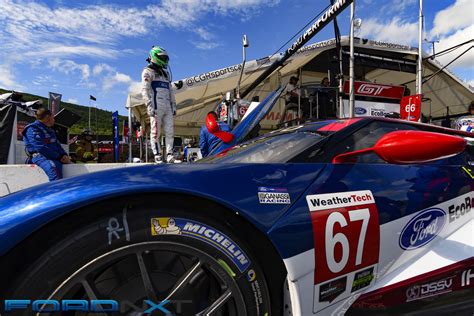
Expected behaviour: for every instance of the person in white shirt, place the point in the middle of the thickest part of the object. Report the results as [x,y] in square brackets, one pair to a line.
[292,92]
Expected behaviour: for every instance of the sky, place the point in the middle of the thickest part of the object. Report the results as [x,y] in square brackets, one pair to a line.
[81,48]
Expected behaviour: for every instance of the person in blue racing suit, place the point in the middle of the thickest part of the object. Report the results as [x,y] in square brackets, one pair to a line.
[43,147]
[207,141]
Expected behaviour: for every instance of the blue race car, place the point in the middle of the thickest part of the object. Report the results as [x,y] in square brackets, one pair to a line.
[367,215]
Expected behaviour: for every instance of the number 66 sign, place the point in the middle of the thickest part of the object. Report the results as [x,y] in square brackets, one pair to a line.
[410,107]
[346,233]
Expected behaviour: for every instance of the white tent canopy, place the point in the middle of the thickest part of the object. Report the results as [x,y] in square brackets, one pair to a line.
[199,94]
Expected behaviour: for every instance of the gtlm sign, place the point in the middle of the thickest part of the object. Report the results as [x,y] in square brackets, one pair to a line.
[370,89]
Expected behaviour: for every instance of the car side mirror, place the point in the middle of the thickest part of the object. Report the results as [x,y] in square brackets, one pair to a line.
[214,129]
[409,147]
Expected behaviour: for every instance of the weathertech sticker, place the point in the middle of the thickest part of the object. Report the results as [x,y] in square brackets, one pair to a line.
[328,292]
[273,196]
[200,231]
[346,242]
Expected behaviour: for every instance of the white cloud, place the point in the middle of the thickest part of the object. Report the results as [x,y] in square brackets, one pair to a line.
[72,100]
[401,5]
[465,61]
[204,34]
[208,40]
[112,78]
[7,79]
[95,31]
[186,12]
[242,6]
[57,35]
[205,45]
[455,17]
[395,31]
[68,67]
[99,68]
[41,80]
[71,51]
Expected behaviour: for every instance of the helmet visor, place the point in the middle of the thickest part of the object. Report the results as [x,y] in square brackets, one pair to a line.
[164,58]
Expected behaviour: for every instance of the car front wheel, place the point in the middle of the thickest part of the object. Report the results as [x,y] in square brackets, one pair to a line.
[149,260]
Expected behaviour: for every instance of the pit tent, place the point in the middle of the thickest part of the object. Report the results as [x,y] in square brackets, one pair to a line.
[375,61]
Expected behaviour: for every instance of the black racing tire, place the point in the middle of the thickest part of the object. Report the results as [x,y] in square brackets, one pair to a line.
[105,253]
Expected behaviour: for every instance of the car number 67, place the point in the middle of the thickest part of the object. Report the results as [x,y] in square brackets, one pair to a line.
[332,239]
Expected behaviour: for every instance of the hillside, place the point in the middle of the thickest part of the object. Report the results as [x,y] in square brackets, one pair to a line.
[104,118]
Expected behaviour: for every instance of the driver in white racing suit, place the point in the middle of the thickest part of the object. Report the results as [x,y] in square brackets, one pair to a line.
[466,123]
[160,102]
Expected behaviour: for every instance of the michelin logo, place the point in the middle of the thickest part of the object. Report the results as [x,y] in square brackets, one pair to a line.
[197,230]
[164,226]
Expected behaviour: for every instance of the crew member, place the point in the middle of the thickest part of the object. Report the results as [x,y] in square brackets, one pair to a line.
[466,123]
[208,141]
[85,151]
[160,102]
[291,94]
[43,147]
[323,99]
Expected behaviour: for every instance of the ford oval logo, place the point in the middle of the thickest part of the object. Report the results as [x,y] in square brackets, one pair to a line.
[422,228]
[360,111]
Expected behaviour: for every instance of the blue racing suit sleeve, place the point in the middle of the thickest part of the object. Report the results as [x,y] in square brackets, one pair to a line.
[224,127]
[35,142]
[60,149]
[203,143]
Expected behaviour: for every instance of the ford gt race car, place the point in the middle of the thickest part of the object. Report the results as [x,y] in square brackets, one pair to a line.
[365,215]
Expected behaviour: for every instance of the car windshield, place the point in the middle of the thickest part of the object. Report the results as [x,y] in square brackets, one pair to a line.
[279,148]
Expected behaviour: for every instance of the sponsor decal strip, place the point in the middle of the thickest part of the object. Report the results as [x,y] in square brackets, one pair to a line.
[339,289]
[200,231]
[273,196]
[451,278]
[422,228]
[346,234]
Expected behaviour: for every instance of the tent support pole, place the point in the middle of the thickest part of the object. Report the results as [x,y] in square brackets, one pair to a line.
[351,63]
[419,73]
[300,115]
[129,132]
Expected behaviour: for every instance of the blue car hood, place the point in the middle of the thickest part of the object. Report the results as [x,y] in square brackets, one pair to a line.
[235,186]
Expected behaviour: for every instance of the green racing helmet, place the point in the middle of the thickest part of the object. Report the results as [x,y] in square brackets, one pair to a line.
[159,56]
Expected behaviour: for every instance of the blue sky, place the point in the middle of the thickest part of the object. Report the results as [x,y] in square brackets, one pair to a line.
[79,48]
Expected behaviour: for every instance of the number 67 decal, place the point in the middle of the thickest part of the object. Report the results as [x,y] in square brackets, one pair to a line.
[346,233]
